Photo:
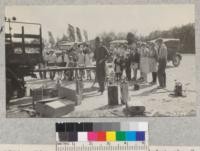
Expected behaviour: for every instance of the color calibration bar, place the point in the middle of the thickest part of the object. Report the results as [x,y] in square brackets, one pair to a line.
[102,132]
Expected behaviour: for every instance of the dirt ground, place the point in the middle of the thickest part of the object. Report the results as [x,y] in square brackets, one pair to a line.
[157,102]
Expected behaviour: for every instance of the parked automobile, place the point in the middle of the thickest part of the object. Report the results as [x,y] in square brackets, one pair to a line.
[173,46]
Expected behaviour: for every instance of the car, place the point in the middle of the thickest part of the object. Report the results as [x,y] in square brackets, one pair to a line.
[173,46]
[117,42]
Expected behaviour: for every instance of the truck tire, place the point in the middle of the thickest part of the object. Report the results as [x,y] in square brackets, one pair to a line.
[176,61]
[9,91]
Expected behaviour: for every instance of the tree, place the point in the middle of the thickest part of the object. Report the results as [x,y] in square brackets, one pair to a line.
[64,38]
[51,39]
[130,38]
[153,35]
[85,35]
[185,33]
[78,33]
[71,33]
[121,36]
[107,38]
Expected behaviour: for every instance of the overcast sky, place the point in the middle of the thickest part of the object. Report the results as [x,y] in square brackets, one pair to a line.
[99,18]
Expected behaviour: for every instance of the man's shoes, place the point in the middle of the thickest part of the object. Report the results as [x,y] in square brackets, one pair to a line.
[134,79]
[100,91]
[153,83]
[160,87]
[141,79]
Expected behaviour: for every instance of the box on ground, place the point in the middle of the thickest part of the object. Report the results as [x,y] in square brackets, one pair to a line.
[43,93]
[73,93]
[56,108]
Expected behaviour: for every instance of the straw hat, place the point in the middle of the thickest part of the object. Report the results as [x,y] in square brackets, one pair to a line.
[58,52]
[159,40]
[143,44]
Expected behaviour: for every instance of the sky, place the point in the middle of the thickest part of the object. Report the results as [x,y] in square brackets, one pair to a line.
[104,18]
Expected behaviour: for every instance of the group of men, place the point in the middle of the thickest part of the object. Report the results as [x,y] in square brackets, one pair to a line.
[148,58]
[137,55]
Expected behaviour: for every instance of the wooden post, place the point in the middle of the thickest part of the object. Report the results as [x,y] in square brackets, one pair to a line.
[79,91]
[124,92]
[41,47]
[23,40]
[113,95]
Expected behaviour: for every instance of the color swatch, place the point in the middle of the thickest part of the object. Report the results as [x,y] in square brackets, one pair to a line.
[109,132]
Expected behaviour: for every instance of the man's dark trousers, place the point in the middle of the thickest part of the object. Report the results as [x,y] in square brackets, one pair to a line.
[162,63]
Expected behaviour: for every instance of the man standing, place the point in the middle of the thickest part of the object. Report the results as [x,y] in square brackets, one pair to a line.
[134,55]
[162,63]
[100,55]
[153,55]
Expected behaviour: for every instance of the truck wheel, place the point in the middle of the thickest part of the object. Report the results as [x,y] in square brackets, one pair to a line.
[9,91]
[176,61]
[21,93]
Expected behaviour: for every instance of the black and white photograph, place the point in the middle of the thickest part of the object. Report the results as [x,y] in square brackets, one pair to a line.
[100,61]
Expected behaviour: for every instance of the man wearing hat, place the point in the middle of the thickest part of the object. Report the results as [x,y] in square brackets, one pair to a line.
[162,62]
[144,62]
[134,55]
[100,55]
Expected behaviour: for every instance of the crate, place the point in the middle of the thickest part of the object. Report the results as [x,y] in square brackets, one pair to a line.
[73,93]
[55,108]
[42,93]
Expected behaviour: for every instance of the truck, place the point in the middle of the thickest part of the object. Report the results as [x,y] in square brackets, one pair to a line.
[23,52]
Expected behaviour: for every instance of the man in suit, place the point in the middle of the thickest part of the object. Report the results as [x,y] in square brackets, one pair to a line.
[162,63]
[100,55]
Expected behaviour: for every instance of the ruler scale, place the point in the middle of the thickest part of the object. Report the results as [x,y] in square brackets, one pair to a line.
[31,147]
[174,148]
[96,146]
